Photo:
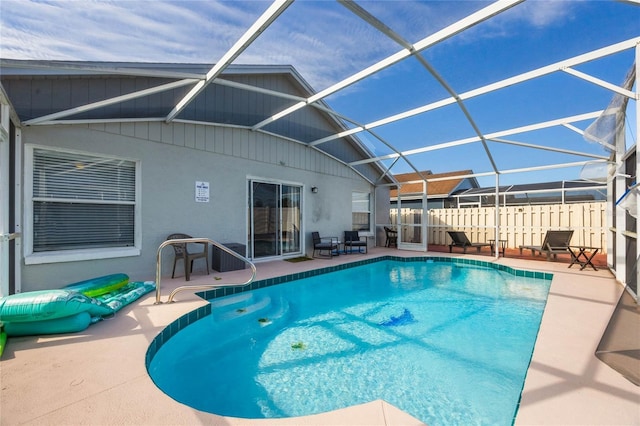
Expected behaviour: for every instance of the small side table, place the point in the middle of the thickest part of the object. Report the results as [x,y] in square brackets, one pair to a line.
[583,256]
[503,245]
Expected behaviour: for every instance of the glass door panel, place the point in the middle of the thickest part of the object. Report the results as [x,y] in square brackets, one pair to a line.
[274,219]
[291,219]
[265,219]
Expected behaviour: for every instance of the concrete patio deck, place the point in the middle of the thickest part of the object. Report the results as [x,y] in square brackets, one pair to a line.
[98,377]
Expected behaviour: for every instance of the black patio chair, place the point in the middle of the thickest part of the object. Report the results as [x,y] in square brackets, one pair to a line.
[352,240]
[326,244]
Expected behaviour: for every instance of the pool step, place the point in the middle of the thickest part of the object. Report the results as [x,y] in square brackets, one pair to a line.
[249,307]
[242,308]
[242,318]
[230,300]
[278,313]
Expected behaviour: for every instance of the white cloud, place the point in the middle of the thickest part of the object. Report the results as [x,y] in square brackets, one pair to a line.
[523,17]
[322,39]
[121,30]
[543,13]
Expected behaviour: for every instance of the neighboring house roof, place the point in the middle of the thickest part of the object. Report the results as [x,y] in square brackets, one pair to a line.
[435,188]
[70,92]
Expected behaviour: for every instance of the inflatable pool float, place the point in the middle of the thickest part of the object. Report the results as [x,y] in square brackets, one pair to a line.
[48,304]
[49,311]
[70,324]
[101,285]
[131,292]
[69,309]
[3,341]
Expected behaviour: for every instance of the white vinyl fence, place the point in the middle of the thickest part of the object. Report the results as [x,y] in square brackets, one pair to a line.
[519,225]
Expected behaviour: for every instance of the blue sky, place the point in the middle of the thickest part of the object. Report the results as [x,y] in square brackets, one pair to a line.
[326,43]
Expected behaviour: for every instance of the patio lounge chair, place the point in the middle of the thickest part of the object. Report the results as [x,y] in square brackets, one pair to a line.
[328,244]
[459,239]
[555,242]
[352,240]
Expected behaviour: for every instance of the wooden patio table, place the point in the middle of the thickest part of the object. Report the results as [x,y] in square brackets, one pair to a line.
[503,246]
[583,255]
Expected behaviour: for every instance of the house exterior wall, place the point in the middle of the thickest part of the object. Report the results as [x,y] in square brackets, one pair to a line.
[173,157]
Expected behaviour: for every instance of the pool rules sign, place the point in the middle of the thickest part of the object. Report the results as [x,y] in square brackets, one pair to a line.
[202,192]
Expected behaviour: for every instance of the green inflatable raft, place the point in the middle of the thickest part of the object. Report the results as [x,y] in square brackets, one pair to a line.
[70,309]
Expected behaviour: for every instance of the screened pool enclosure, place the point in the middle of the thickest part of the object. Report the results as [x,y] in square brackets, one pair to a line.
[514,90]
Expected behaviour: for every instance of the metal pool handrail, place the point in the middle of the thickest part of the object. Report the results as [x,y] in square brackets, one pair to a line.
[201,286]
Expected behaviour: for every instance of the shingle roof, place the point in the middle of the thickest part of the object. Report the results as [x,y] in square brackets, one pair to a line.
[441,188]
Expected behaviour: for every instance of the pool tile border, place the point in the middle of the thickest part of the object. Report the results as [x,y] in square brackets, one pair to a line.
[205,310]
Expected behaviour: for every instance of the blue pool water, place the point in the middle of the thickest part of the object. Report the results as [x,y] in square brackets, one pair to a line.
[447,343]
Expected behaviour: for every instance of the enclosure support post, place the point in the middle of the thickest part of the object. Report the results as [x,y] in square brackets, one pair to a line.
[497,218]
[637,107]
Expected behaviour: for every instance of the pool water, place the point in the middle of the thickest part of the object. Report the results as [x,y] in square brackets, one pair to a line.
[446,343]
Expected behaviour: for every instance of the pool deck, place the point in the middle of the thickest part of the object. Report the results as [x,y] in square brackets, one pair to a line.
[98,377]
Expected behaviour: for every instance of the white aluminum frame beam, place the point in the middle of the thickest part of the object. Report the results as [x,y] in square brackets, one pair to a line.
[459,26]
[255,89]
[5,198]
[539,72]
[533,191]
[546,148]
[548,167]
[318,105]
[380,26]
[47,119]
[261,24]
[84,68]
[376,23]
[102,121]
[462,107]
[602,83]
[637,98]
[503,172]
[511,171]
[532,127]
[511,81]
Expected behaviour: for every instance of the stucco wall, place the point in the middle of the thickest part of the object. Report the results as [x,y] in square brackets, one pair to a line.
[173,157]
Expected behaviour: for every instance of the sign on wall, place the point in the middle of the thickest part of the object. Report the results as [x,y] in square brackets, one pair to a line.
[202,192]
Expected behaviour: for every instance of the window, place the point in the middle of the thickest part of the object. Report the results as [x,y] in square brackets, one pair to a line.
[80,203]
[361,211]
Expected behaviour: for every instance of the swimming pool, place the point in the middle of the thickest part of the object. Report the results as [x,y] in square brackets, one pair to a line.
[447,342]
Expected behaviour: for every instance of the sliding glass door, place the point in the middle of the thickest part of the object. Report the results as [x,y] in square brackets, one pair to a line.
[274,219]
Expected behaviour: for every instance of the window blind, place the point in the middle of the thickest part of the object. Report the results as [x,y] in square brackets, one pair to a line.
[82,201]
